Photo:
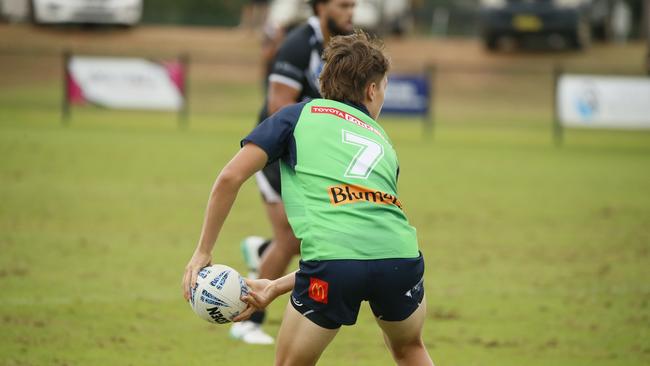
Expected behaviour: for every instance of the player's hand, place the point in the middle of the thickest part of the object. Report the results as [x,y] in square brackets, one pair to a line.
[260,294]
[198,261]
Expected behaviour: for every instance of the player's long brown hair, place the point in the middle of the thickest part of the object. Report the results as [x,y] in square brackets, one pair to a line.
[351,63]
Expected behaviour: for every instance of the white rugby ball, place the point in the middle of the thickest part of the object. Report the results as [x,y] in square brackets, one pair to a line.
[216,296]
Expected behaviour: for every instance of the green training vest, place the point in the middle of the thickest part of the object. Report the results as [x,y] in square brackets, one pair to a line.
[341,197]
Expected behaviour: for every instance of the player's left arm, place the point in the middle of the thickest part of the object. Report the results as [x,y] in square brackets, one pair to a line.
[246,162]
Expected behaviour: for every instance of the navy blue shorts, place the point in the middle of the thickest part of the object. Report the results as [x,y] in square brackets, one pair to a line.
[330,292]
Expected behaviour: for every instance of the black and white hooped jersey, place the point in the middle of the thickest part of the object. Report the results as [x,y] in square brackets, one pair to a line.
[298,62]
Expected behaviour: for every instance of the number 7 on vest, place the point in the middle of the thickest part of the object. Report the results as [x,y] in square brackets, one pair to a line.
[366,159]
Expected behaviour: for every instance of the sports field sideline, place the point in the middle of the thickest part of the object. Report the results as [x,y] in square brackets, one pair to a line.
[535,255]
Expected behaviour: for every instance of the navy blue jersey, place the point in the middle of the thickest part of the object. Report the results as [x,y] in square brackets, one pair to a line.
[275,134]
[298,63]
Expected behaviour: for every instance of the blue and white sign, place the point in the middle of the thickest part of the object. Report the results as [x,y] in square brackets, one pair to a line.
[604,101]
[407,94]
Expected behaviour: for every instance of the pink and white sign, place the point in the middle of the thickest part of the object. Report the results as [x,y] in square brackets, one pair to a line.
[125,83]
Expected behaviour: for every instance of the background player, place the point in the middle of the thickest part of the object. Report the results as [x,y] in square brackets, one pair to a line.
[339,173]
[254,13]
[293,77]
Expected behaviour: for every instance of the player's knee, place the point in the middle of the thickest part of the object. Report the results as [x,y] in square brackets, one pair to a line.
[404,350]
[295,360]
[280,360]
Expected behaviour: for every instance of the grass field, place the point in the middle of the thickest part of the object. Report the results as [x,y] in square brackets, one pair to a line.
[535,255]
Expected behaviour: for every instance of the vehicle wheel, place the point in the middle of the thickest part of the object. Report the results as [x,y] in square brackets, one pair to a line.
[125,26]
[33,18]
[581,38]
[491,42]
[400,26]
[599,31]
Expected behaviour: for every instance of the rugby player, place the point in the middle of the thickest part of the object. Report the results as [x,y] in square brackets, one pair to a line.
[339,175]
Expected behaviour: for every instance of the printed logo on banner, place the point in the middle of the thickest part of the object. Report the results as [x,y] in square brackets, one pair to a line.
[603,101]
[407,95]
[587,102]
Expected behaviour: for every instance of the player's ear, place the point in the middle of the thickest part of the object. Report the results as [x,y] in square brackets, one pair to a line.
[371,91]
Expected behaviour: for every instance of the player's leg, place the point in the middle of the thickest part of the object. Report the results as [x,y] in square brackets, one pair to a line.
[252,248]
[284,246]
[275,258]
[300,341]
[404,338]
[326,295]
[273,265]
[270,258]
[397,300]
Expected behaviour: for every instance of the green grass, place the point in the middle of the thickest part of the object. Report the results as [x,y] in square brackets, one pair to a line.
[535,255]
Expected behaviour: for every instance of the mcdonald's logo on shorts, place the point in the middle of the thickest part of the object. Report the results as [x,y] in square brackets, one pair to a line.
[318,290]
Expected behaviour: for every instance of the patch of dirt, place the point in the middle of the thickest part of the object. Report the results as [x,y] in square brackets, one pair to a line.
[549,344]
[493,343]
[22,321]
[14,272]
[444,314]
[118,340]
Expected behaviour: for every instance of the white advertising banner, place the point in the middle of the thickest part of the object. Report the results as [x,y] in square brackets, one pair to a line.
[128,83]
[604,101]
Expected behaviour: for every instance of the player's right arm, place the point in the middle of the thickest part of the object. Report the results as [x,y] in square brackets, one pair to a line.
[280,95]
[268,142]
[287,74]
[250,159]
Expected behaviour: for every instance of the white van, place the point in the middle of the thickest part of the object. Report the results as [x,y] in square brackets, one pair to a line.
[383,16]
[118,12]
[14,10]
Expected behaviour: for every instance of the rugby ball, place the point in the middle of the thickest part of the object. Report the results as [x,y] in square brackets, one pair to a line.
[216,296]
